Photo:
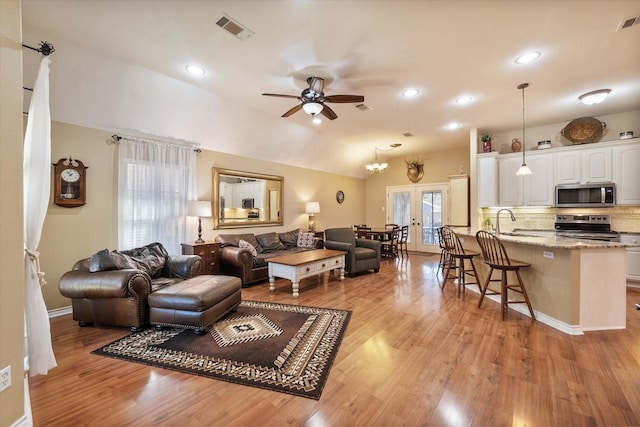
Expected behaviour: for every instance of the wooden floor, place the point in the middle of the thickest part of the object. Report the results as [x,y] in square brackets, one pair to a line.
[413,355]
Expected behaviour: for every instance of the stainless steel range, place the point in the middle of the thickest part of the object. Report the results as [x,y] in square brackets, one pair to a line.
[592,227]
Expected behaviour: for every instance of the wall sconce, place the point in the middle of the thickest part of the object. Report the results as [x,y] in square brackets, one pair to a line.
[312,208]
[594,97]
[201,209]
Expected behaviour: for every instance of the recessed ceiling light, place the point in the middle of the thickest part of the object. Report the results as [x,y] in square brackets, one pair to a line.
[464,100]
[410,93]
[527,57]
[316,120]
[195,70]
[453,125]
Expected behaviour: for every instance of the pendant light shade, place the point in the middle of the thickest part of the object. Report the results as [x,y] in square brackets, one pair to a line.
[524,169]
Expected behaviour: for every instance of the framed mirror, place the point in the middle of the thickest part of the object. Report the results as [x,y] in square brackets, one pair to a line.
[246,199]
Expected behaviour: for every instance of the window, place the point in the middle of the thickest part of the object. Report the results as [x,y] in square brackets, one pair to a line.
[155,182]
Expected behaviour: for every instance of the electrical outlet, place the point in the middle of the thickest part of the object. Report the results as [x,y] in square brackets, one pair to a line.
[5,378]
[547,254]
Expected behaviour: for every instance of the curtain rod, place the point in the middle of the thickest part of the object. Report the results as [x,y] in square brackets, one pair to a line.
[45,48]
[116,138]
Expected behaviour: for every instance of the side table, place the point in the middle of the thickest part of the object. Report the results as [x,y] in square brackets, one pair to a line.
[208,251]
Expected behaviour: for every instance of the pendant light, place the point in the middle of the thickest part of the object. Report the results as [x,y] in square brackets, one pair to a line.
[524,169]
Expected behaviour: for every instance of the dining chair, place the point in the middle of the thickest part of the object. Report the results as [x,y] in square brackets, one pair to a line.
[403,241]
[496,257]
[390,243]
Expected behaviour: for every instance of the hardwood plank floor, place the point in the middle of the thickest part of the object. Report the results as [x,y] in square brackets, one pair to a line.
[413,355]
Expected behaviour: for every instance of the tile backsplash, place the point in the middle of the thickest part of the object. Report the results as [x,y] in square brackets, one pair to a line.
[623,218]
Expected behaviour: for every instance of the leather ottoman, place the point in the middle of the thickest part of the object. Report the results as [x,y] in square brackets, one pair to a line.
[194,303]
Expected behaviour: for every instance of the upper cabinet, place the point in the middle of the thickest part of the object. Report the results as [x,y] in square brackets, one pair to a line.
[626,173]
[615,162]
[488,180]
[583,166]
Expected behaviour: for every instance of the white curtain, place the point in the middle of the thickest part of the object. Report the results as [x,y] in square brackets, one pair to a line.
[37,183]
[155,182]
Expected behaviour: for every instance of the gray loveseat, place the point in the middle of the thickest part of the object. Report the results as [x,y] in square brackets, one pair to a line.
[238,260]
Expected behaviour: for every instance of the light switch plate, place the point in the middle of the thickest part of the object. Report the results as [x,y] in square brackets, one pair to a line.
[5,377]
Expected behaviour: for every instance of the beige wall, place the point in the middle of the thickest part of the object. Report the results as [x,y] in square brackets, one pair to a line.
[437,168]
[70,234]
[11,239]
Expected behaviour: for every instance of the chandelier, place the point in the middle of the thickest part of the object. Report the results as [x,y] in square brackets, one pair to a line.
[376,166]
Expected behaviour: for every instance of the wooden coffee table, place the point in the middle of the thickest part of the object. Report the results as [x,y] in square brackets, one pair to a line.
[304,264]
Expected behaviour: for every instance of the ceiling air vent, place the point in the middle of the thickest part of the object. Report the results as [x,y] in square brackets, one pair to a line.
[407,134]
[363,107]
[234,28]
[626,23]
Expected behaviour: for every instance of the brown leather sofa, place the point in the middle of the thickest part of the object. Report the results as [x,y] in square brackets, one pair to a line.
[112,287]
[240,262]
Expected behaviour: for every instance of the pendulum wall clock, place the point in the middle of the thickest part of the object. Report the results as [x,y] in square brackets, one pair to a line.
[70,183]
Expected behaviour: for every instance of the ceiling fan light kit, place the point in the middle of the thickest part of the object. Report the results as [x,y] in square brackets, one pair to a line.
[313,100]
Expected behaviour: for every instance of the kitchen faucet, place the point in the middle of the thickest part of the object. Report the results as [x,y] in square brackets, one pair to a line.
[513,218]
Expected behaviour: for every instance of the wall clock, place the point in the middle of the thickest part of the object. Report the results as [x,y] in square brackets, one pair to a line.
[340,196]
[69,183]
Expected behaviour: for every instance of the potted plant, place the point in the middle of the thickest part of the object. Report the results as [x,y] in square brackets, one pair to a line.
[486,142]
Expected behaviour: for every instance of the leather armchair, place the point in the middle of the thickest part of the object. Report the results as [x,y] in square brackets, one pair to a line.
[362,254]
[119,297]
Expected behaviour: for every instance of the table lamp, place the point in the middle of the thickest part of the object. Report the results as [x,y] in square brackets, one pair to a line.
[201,209]
[312,208]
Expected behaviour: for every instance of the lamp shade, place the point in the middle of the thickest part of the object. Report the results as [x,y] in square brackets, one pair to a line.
[199,208]
[312,207]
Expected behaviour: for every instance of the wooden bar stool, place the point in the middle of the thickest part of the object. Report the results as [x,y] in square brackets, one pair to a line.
[457,259]
[496,257]
[443,251]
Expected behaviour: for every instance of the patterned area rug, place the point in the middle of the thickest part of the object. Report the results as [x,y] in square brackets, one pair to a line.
[280,347]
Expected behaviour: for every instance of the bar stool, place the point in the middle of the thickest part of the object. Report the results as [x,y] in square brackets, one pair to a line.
[443,251]
[496,257]
[456,257]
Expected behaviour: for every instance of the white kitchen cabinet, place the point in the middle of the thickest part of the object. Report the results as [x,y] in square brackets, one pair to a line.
[633,256]
[583,166]
[626,173]
[459,200]
[487,179]
[510,189]
[539,187]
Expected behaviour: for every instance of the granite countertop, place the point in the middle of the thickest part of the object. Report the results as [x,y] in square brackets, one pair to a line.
[547,240]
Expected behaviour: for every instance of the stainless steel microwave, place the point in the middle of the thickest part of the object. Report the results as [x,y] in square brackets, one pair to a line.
[585,195]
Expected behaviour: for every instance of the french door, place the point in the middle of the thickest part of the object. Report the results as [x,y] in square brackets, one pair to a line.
[424,208]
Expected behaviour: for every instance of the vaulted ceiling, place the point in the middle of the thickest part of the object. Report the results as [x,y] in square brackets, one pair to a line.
[120,66]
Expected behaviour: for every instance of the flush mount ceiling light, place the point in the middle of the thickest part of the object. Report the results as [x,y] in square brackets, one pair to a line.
[195,70]
[464,100]
[453,126]
[524,169]
[312,108]
[410,93]
[527,57]
[594,97]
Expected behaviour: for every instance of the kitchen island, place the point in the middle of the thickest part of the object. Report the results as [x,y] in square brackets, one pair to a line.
[574,285]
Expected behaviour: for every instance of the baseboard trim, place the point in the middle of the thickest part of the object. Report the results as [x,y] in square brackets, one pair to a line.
[56,312]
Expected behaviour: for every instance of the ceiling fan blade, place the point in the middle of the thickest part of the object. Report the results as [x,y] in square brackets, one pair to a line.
[293,110]
[316,84]
[280,95]
[328,112]
[344,98]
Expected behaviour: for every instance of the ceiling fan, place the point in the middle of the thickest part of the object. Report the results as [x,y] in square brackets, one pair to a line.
[312,99]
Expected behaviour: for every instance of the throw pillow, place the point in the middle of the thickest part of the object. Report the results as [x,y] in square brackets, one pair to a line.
[104,260]
[289,238]
[270,242]
[306,240]
[243,244]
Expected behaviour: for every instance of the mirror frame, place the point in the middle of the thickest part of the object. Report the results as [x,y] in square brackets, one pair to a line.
[230,223]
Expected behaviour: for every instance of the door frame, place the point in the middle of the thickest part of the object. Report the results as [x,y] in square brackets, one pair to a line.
[415,227]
